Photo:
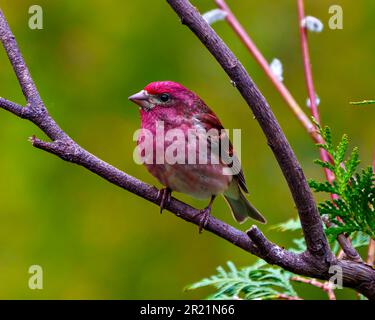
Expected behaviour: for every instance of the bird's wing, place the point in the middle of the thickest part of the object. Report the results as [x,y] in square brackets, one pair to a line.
[209,121]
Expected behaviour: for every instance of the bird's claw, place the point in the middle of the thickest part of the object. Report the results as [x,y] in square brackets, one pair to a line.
[204,217]
[165,197]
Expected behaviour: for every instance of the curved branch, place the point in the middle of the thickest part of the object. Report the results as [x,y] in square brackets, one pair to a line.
[19,66]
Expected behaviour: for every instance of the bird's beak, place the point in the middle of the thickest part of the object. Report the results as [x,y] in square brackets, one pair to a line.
[140,98]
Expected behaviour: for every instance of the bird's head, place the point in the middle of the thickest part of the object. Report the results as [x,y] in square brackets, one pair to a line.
[163,94]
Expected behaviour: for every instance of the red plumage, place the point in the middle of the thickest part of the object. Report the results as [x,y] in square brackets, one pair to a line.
[176,107]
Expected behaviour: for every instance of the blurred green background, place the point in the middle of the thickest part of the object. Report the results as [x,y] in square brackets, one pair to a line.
[96,241]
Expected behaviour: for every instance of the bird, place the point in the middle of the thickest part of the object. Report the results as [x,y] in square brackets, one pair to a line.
[177,108]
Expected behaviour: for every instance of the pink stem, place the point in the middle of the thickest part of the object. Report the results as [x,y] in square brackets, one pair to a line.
[310,85]
[344,242]
[371,253]
[254,51]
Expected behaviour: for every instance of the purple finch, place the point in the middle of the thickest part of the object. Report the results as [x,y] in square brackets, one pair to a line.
[176,107]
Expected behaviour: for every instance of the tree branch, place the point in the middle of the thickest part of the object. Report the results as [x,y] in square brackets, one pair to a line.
[12,107]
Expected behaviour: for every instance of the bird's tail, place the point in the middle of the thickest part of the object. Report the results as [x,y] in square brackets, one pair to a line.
[241,208]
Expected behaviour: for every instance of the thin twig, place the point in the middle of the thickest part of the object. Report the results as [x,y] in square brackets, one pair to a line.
[283,296]
[327,287]
[371,253]
[344,242]
[347,250]
[362,102]
[261,60]
[310,84]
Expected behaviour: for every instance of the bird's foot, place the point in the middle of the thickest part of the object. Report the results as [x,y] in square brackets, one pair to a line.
[205,215]
[165,197]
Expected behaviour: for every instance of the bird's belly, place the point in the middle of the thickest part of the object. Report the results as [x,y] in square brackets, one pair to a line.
[200,181]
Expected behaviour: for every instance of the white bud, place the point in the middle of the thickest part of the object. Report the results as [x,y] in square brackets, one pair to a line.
[317,101]
[277,69]
[312,24]
[214,15]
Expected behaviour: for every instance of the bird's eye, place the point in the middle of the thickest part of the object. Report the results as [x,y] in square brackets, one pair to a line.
[164,97]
